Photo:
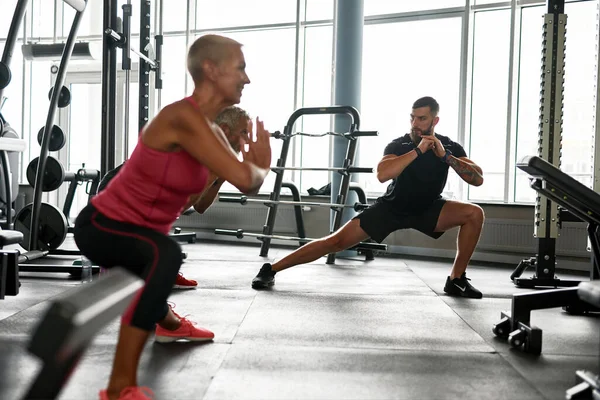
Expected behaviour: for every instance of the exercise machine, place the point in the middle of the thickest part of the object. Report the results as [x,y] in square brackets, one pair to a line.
[580,201]
[547,218]
[70,324]
[117,34]
[345,170]
[44,226]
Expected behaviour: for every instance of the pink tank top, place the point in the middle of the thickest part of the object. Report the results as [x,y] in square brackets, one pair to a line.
[152,187]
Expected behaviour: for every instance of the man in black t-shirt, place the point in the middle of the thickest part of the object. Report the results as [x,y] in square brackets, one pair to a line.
[418,164]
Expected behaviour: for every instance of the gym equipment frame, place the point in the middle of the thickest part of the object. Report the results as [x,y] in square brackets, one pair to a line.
[582,202]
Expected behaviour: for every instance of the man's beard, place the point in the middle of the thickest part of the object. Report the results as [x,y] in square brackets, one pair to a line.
[416,134]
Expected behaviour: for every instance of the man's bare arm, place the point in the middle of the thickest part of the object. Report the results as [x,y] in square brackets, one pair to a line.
[467,170]
[207,198]
[391,166]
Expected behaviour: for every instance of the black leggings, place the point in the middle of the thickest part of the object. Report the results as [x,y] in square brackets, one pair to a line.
[145,252]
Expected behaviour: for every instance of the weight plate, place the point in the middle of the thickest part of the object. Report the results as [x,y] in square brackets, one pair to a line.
[108,177]
[57,138]
[5,75]
[64,99]
[54,174]
[52,228]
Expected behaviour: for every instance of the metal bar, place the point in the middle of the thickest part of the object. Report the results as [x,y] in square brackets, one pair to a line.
[240,235]
[297,209]
[509,101]
[243,200]
[524,303]
[53,376]
[144,68]
[78,5]
[126,54]
[272,211]
[10,144]
[334,169]
[109,83]
[7,176]
[41,167]
[11,39]
[151,62]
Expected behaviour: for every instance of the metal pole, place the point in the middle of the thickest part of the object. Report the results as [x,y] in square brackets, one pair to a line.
[349,22]
[9,46]
[144,67]
[109,83]
[41,167]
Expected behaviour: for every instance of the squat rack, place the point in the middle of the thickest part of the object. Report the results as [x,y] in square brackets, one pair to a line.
[338,207]
[117,34]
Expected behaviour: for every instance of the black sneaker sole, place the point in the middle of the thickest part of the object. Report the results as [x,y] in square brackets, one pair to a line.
[461,294]
[262,285]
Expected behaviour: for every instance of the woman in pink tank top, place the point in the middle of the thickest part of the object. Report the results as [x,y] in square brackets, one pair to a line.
[177,156]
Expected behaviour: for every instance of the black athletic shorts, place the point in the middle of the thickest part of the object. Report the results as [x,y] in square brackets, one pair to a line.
[381,219]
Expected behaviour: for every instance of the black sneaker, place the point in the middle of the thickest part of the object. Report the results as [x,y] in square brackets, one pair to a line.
[265,278]
[461,287]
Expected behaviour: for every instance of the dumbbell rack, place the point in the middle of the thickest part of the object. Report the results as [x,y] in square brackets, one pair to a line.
[273,202]
[38,220]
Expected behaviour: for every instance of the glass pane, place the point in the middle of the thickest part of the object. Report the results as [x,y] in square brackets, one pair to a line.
[489,101]
[530,54]
[319,10]
[578,109]
[84,135]
[579,91]
[42,19]
[270,95]
[92,21]
[393,80]
[173,69]
[210,14]
[174,15]
[40,86]
[8,9]
[317,93]
[134,122]
[377,7]
[12,108]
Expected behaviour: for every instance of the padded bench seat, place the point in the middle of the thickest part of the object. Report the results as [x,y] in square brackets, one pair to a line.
[10,237]
[590,292]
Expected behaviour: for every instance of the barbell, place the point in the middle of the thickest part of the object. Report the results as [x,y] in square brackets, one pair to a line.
[239,233]
[348,170]
[243,200]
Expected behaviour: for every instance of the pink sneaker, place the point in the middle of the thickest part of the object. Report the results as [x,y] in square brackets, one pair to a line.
[131,393]
[183,283]
[187,331]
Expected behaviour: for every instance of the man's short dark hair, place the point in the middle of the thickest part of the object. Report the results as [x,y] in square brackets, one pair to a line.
[428,102]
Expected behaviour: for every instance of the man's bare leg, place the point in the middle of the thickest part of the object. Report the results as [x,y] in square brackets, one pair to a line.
[469,218]
[347,236]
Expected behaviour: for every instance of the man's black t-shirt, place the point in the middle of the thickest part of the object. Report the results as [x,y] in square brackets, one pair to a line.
[423,180]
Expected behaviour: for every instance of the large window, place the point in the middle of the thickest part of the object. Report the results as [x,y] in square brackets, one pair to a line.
[173,69]
[393,78]
[410,49]
[578,110]
[270,94]
[378,7]
[491,49]
[212,14]
[314,151]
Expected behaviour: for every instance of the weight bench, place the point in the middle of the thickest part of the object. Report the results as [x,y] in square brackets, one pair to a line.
[583,203]
[588,384]
[9,264]
[70,324]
